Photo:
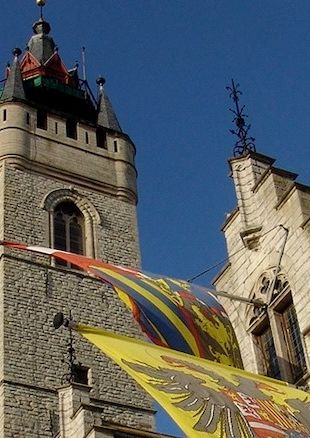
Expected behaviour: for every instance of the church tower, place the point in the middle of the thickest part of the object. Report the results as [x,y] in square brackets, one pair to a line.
[68,181]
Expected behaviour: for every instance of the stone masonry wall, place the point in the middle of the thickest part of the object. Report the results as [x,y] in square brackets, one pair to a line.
[33,291]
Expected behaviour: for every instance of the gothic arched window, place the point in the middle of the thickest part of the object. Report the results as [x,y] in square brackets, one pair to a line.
[275,331]
[72,221]
[68,228]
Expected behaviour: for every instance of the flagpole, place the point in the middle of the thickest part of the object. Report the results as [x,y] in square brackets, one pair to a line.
[253,301]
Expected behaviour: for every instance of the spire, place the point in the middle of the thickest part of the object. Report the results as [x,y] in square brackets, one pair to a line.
[106,115]
[41,45]
[14,84]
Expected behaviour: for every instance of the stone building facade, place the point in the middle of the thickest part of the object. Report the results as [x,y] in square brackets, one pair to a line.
[268,244]
[67,180]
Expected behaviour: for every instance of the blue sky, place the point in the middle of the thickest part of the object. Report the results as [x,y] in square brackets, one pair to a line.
[167,63]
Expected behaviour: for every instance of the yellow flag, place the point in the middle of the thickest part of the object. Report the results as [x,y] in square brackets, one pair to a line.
[207,399]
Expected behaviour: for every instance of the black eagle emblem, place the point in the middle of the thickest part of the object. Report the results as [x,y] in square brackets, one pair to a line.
[215,409]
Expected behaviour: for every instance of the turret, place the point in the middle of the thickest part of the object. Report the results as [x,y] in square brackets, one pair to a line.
[14,87]
[43,97]
[106,115]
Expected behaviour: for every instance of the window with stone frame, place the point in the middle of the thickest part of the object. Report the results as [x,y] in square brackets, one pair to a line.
[275,331]
[73,221]
[68,228]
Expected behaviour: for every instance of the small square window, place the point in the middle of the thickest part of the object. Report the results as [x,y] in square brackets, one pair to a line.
[80,374]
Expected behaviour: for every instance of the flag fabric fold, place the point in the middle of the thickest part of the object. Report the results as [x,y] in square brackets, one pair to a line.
[172,313]
[207,399]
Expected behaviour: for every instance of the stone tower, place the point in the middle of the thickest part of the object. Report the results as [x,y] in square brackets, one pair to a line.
[268,243]
[67,180]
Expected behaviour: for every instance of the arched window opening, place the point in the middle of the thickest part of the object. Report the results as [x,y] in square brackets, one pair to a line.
[275,331]
[68,228]
[73,220]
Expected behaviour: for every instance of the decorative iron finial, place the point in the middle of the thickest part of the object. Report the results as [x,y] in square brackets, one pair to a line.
[244,143]
[16,52]
[100,82]
[70,360]
[41,4]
